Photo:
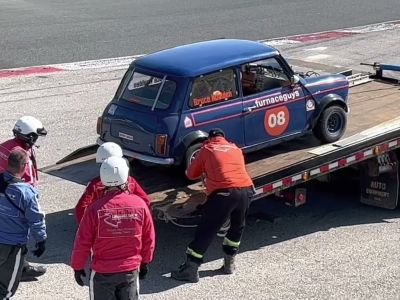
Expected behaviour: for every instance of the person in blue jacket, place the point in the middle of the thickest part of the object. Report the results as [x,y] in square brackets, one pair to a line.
[20,216]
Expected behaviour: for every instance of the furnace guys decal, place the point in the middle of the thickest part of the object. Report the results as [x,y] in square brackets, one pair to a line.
[277,99]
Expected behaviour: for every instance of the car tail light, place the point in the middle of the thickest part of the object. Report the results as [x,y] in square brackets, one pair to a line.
[161,144]
[99,125]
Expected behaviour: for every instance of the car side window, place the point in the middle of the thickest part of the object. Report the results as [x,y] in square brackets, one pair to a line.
[262,75]
[213,88]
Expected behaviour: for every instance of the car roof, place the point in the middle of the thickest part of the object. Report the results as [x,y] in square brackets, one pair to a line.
[203,57]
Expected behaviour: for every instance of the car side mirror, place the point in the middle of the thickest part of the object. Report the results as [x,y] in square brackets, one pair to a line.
[294,79]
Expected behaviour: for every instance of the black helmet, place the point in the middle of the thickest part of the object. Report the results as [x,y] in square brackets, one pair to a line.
[216,132]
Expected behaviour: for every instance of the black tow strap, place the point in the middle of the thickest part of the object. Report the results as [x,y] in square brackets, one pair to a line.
[3,186]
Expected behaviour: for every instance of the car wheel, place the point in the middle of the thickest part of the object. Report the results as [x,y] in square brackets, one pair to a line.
[331,124]
[191,153]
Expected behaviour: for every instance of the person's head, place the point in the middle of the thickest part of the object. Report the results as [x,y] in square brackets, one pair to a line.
[114,172]
[215,132]
[107,150]
[28,129]
[17,161]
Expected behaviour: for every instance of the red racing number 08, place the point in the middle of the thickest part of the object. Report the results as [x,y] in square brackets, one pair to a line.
[276,120]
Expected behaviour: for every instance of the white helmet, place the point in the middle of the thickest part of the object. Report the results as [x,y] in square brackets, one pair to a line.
[114,171]
[107,150]
[28,129]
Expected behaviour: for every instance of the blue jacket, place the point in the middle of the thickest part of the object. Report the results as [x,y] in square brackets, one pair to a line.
[15,226]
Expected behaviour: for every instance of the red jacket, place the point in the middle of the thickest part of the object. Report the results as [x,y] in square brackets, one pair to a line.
[31,173]
[118,231]
[95,190]
[223,165]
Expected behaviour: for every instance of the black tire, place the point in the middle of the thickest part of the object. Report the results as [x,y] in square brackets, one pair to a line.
[331,124]
[191,153]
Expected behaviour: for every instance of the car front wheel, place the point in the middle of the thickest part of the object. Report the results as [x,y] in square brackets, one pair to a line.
[331,124]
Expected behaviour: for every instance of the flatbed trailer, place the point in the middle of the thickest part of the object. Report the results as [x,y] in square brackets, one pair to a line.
[372,135]
[370,144]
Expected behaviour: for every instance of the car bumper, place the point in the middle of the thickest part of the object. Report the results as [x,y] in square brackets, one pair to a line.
[147,158]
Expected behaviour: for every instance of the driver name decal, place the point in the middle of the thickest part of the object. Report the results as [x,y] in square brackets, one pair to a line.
[215,97]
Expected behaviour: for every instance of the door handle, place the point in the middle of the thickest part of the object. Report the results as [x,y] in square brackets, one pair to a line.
[249,109]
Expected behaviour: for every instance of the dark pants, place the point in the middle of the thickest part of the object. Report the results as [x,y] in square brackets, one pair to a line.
[230,203]
[11,263]
[114,286]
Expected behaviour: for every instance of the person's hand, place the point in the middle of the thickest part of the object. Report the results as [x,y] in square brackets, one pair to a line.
[78,276]
[40,248]
[144,268]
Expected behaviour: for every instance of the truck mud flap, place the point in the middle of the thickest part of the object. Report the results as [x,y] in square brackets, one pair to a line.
[380,181]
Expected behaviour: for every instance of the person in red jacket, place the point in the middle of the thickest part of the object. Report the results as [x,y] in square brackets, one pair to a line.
[117,232]
[26,132]
[229,190]
[95,189]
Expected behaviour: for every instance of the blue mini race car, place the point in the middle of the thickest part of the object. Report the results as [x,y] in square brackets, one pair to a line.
[167,101]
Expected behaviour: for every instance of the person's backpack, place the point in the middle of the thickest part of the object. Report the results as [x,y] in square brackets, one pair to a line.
[3,186]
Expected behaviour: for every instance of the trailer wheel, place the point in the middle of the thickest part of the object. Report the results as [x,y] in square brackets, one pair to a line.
[191,153]
[331,124]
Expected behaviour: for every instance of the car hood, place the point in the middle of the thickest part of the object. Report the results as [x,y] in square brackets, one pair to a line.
[315,84]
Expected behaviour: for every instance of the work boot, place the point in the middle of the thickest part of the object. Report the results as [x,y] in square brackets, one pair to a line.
[30,272]
[189,271]
[229,264]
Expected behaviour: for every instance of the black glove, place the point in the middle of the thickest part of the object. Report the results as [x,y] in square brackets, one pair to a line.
[40,248]
[144,268]
[78,276]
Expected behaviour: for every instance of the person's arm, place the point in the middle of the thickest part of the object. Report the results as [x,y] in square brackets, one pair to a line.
[136,189]
[30,174]
[84,240]
[196,167]
[86,199]
[35,216]
[148,237]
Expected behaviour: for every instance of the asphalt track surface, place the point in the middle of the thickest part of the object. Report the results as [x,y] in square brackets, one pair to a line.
[332,248]
[38,32]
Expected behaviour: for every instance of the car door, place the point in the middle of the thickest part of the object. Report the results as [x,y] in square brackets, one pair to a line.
[214,102]
[273,109]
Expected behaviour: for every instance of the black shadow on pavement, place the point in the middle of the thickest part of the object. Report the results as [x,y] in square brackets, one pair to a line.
[327,207]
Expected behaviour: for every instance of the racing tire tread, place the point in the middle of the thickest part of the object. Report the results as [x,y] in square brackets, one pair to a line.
[321,128]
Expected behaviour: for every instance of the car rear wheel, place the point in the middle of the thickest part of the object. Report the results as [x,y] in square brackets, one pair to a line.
[331,124]
[191,153]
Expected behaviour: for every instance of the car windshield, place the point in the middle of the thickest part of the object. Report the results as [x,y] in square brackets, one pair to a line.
[151,91]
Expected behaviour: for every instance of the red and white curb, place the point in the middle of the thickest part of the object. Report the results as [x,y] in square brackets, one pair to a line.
[126,60]
[333,34]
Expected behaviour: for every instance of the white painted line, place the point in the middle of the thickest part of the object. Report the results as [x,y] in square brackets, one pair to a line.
[98,63]
[371,28]
[318,57]
[280,42]
[316,49]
